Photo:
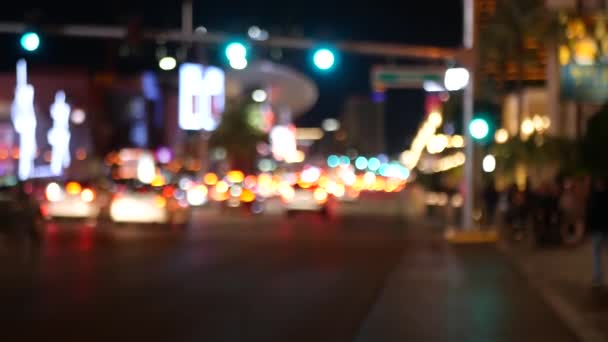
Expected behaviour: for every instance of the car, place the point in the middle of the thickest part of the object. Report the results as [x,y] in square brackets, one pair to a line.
[70,201]
[147,205]
[301,199]
[19,213]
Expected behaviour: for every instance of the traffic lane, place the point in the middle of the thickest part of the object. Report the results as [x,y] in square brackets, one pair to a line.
[440,292]
[299,279]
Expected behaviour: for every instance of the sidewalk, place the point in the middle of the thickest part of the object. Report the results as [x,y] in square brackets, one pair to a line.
[445,292]
[562,275]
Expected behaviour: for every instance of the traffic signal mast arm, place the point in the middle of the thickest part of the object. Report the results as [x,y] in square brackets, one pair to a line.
[357,47]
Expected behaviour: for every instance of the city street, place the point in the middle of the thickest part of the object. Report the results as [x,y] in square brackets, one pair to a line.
[362,278]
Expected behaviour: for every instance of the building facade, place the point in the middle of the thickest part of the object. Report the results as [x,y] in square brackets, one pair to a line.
[363,125]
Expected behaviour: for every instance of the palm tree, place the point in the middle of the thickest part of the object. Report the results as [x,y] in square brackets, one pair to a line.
[510,41]
[238,136]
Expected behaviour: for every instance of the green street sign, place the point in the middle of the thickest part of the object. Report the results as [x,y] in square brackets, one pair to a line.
[399,77]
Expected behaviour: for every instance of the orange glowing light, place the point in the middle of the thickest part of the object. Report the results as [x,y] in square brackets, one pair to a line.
[247,196]
[235,176]
[160,202]
[158,180]
[265,180]
[287,192]
[380,184]
[320,195]
[210,179]
[221,187]
[73,188]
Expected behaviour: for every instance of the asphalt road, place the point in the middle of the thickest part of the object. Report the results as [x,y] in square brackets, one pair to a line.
[364,278]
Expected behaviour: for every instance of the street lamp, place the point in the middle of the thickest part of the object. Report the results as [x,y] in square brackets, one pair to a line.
[456,79]
[259,95]
[489,163]
[167,63]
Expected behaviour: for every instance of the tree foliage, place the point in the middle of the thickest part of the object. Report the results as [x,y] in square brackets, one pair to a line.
[508,41]
[595,143]
[238,136]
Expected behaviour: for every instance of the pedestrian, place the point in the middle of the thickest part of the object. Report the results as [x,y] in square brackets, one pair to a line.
[490,196]
[597,222]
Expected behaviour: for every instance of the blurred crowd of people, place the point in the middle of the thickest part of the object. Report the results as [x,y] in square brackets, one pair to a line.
[564,211]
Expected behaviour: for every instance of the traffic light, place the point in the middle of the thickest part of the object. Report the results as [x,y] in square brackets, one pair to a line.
[30,41]
[324,59]
[479,128]
[236,53]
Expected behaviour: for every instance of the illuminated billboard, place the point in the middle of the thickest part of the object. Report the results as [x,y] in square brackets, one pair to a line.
[201,97]
[583,56]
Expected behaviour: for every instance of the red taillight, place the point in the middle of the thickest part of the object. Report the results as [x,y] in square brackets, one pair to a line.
[44,211]
[168,191]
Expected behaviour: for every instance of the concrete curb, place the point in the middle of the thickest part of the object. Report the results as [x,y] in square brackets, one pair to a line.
[476,236]
[568,313]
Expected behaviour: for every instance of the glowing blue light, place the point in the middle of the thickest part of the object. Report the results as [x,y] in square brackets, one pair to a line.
[333,161]
[344,160]
[30,41]
[324,59]
[373,164]
[394,171]
[361,163]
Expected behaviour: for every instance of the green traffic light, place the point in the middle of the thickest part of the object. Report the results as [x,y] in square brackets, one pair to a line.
[30,41]
[479,128]
[236,53]
[324,59]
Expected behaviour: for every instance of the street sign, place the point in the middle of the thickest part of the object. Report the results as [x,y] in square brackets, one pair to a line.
[385,77]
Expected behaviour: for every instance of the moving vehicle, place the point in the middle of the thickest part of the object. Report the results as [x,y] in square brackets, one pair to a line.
[19,213]
[145,204]
[70,201]
[305,199]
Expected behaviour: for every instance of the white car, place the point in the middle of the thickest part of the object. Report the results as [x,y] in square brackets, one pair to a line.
[70,201]
[314,199]
[147,207]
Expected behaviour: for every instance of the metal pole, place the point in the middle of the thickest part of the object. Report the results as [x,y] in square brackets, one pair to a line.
[357,47]
[187,26]
[467,115]
[469,192]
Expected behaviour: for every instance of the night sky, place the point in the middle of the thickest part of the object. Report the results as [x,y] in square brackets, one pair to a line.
[414,22]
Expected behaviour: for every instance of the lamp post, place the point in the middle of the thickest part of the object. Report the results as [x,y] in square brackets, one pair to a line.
[460,79]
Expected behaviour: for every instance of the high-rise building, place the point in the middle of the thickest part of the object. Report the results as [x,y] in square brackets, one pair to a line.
[363,125]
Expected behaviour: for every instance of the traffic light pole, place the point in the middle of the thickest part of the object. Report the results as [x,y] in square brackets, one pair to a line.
[468,103]
[469,187]
[357,47]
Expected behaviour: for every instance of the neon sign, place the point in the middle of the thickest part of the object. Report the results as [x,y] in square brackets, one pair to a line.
[59,134]
[201,97]
[24,120]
